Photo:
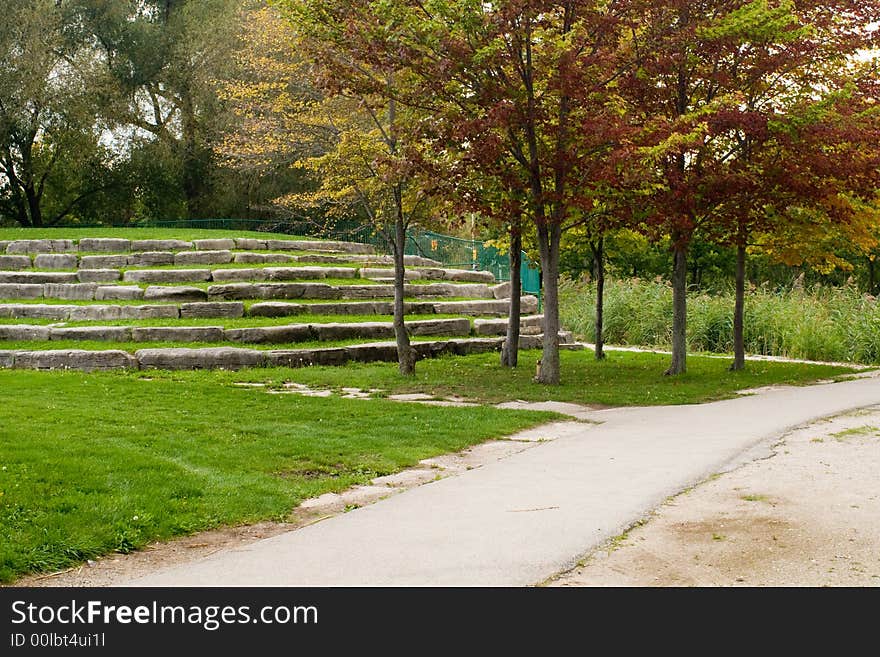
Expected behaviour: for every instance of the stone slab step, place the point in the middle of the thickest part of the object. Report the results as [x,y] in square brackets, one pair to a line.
[496,307]
[254,335]
[470,308]
[118,245]
[234,358]
[499,326]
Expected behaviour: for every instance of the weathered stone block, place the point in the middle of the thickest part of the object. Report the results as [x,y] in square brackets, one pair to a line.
[55,261]
[172,293]
[220,257]
[95,313]
[264,258]
[334,246]
[490,326]
[531,341]
[473,290]
[250,243]
[290,358]
[276,309]
[365,330]
[74,359]
[37,277]
[103,262]
[150,259]
[167,276]
[15,262]
[321,258]
[430,273]
[160,245]
[233,291]
[20,291]
[366,291]
[388,274]
[191,359]
[473,346]
[150,312]
[284,245]
[271,334]
[293,273]
[40,246]
[381,352]
[119,293]
[98,275]
[501,291]
[178,334]
[214,245]
[230,309]
[296,291]
[337,272]
[472,308]
[35,311]
[439,327]
[219,275]
[104,245]
[104,333]
[70,291]
[471,276]
[24,332]
[7,358]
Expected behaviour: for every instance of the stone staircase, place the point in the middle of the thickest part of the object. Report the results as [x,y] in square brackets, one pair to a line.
[203,299]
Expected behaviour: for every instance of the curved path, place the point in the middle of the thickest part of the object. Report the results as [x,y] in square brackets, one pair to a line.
[519,520]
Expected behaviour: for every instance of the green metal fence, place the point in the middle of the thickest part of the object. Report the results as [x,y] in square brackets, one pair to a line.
[451,251]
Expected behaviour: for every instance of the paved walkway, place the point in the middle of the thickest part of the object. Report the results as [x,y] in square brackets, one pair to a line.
[522,519]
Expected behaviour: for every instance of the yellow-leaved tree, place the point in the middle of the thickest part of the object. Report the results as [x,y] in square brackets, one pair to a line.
[303,104]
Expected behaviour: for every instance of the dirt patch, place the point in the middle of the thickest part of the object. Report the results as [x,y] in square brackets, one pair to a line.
[807,516]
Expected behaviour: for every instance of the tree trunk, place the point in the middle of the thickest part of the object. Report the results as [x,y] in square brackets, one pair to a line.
[872,286]
[679,311]
[739,350]
[548,240]
[406,355]
[35,212]
[510,349]
[598,249]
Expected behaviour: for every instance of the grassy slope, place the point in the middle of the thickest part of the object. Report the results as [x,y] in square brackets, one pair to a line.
[91,464]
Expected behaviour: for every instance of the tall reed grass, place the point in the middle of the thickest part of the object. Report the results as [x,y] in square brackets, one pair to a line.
[829,324]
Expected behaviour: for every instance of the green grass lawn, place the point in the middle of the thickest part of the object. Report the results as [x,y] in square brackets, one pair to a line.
[187,234]
[92,464]
[106,462]
[623,379]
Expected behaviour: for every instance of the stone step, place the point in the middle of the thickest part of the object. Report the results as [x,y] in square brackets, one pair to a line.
[234,358]
[67,287]
[254,335]
[101,312]
[473,308]
[496,307]
[237,358]
[116,245]
[499,326]
[348,292]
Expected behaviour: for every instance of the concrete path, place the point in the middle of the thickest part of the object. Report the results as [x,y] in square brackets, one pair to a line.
[522,519]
